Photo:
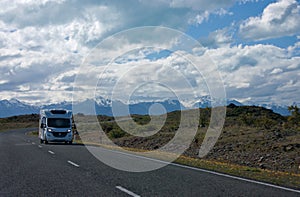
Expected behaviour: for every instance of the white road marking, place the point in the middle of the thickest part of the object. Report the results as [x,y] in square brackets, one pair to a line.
[127,191]
[208,171]
[74,164]
[51,152]
[40,146]
[33,143]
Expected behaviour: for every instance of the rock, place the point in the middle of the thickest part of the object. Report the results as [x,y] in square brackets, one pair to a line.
[261,159]
[297,160]
[288,148]
[277,134]
[262,166]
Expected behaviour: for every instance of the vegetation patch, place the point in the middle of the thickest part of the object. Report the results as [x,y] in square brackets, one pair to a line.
[16,122]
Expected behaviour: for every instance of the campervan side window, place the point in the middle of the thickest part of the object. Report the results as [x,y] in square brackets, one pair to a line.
[59,122]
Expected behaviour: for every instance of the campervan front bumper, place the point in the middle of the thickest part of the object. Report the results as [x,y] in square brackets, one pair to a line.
[59,136]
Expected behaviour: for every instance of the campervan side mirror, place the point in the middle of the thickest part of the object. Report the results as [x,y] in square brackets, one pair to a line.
[43,125]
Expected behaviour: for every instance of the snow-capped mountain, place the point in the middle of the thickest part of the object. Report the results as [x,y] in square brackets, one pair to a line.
[108,107]
[14,107]
[283,110]
[280,109]
[62,105]
[206,101]
[100,105]
[103,101]
[104,106]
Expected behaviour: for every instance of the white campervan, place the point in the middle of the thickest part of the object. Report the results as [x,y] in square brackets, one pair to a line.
[55,125]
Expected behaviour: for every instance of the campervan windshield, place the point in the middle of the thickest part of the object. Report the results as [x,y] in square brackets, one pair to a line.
[59,122]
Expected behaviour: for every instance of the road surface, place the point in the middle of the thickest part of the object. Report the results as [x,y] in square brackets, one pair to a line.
[32,169]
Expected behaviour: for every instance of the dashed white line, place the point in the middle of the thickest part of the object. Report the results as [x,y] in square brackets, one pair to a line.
[127,191]
[51,152]
[74,164]
[33,143]
[40,146]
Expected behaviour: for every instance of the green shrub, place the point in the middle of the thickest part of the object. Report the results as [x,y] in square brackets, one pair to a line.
[116,133]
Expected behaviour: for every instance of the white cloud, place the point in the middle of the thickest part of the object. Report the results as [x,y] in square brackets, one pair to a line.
[176,78]
[278,19]
[204,16]
[265,73]
[202,4]
[276,71]
[200,18]
[218,38]
[259,72]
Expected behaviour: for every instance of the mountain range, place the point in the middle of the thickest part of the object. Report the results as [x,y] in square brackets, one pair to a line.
[103,106]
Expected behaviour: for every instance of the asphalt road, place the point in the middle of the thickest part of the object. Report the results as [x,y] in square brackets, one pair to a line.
[32,169]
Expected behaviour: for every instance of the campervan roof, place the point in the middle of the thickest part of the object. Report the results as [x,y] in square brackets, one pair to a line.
[57,113]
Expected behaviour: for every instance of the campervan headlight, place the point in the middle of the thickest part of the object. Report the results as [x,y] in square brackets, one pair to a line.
[69,130]
[50,130]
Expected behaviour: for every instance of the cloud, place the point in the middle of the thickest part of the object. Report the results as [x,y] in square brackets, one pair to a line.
[159,78]
[276,71]
[50,37]
[35,13]
[262,72]
[202,4]
[204,16]
[219,38]
[278,19]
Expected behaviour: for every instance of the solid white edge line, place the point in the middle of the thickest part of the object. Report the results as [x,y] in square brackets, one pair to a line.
[72,163]
[51,152]
[127,191]
[238,178]
[208,171]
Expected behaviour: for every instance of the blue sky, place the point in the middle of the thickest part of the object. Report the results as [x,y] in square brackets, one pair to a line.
[239,12]
[253,44]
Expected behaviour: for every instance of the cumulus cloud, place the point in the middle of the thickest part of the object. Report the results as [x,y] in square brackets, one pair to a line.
[264,73]
[131,67]
[42,39]
[278,19]
[261,72]
[219,38]
[170,77]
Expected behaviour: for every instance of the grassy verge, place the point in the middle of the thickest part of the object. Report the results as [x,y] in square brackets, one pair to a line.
[274,177]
